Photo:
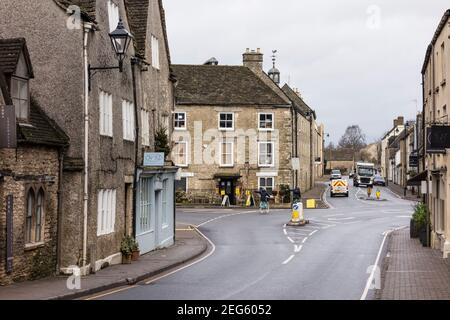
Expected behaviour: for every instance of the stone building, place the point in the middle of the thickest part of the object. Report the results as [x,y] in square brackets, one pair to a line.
[30,173]
[233,130]
[386,168]
[304,129]
[436,104]
[236,131]
[110,116]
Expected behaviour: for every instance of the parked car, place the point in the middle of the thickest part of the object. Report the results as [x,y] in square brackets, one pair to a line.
[336,174]
[379,181]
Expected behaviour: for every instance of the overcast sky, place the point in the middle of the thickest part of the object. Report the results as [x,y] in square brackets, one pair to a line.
[354,61]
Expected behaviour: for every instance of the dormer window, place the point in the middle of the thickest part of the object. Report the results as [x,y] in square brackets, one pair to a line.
[20,95]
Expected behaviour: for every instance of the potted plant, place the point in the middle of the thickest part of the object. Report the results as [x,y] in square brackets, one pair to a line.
[136,253]
[126,249]
[419,223]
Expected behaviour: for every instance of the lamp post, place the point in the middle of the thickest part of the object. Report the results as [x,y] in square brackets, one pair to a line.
[327,135]
[120,41]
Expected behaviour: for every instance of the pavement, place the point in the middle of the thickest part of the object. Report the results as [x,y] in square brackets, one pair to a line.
[413,272]
[400,191]
[258,257]
[316,193]
[189,245]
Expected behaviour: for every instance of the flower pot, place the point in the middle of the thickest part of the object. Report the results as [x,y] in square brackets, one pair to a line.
[423,236]
[413,230]
[135,256]
[126,258]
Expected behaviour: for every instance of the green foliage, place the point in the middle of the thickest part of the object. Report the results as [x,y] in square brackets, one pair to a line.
[128,245]
[420,215]
[285,193]
[162,141]
[181,196]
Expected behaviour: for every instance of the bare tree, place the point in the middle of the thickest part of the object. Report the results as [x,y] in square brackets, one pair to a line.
[353,139]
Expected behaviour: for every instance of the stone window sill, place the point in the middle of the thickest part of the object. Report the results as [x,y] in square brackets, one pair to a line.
[34,246]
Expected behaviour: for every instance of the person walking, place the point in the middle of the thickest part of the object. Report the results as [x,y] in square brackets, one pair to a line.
[264,200]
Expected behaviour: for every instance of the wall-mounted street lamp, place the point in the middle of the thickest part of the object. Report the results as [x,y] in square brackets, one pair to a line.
[120,40]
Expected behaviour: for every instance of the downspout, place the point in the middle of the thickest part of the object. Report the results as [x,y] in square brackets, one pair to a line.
[87,29]
[134,63]
[59,211]
[293,177]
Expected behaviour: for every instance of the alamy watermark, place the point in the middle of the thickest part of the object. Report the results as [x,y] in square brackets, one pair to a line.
[373,21]
[74,281]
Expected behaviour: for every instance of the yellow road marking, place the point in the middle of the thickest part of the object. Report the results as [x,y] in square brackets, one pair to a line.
[109,293]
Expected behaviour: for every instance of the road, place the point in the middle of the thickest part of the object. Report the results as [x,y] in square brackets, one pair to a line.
[256,257]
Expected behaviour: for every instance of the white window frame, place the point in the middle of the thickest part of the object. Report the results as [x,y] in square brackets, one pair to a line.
[175,120]
[128,121]
[106,211]
[106,114]
[259,121]
[186,156]
[263,165]
[233,120]
[266,177]
[113,15]
[227,165]
[145,124]
[155,52]
[21,98]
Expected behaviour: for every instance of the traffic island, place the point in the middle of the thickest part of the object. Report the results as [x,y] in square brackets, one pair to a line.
[373,199]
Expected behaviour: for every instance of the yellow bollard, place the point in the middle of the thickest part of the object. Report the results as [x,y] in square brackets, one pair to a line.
[378,194]
[297,212]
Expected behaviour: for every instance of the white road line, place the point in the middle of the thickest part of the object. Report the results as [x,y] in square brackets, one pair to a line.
[297,249]
[334,215]
[164,275]
[324,198]
[341,219]
[290,239]
[191,264]
[285,232]
[225,216]
[289,259]
[304,240]
[312,233]
[372,274]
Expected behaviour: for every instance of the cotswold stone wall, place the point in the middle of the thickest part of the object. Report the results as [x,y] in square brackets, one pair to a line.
[202,181]
[23,168]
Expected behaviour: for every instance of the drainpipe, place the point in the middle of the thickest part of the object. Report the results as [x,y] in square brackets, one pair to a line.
[134,63]
[311,119]
[59,211]
[87,29]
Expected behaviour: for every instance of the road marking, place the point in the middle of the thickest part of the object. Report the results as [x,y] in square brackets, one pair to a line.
[289,259]
[298,249]
[312,233]
[167,274]
[324,198]
[304,240]
[372,274]
[224,216]
[285,232]
[290,239]
[341,219]
[335,215]
[406,217]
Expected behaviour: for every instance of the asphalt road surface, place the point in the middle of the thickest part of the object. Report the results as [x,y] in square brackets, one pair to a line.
[256,257]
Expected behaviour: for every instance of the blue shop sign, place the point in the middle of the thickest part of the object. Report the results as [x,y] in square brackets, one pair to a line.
[154,159]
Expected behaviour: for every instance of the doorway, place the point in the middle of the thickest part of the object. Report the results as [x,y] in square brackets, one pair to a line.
[228,187]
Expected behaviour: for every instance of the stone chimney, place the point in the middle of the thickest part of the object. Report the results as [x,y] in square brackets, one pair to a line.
[401,121]
[253,59]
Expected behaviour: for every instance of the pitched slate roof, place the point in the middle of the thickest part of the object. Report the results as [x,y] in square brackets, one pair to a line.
[10,50]
[222,85]
[439,29]
[41,129]
[88,7]
[297,101]
[137,14]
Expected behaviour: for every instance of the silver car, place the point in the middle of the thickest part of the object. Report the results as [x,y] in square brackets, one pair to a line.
[336,174]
